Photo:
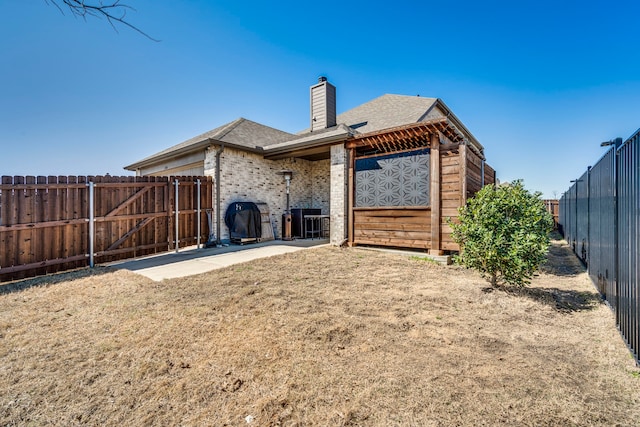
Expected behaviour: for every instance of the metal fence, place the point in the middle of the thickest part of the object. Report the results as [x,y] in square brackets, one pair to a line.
[600,219]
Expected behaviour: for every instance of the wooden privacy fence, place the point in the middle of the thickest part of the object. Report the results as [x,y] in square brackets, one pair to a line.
[553,207]
[52,224]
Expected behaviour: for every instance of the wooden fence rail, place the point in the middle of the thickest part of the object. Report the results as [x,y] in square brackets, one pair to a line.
[45,221]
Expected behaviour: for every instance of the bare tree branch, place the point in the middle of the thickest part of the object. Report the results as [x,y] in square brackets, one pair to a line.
[114,12]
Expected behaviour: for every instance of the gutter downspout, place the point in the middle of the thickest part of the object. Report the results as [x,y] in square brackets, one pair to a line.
[218,215]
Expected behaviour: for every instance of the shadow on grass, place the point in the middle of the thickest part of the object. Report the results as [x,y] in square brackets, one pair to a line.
[563,300]
[561,261]
[52,279]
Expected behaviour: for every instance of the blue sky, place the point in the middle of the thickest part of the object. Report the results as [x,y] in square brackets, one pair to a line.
[540,84]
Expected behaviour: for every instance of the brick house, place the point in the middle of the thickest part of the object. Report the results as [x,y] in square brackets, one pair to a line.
[388,172]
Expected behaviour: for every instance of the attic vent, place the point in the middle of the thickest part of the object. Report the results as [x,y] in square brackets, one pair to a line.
[323,105]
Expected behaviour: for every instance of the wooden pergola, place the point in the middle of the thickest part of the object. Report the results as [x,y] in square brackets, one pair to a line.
[407,137]
[413,226]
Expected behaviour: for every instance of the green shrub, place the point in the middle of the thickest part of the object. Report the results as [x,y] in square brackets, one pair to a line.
[503,232]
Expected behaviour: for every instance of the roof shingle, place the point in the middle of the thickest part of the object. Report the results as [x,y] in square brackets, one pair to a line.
[241,133]
[387,111]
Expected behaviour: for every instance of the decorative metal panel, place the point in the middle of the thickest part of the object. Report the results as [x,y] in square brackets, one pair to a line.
[399,179]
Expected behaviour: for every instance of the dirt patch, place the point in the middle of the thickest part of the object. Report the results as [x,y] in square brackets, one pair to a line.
[318,337]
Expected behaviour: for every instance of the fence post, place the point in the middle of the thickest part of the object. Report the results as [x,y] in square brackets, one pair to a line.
[176,207]
[198,214]
[588,260]
[616,235]
[91,223]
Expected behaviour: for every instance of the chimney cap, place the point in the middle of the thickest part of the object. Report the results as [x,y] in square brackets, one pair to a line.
[322,79]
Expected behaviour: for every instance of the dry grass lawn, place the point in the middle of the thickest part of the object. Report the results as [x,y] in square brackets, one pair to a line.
[325,337]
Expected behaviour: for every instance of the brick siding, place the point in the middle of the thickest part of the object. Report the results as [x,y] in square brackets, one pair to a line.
[248,177]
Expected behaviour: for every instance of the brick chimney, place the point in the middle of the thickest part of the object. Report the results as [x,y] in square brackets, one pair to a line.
[323,105]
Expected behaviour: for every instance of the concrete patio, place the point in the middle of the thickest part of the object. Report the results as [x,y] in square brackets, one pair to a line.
[191,260]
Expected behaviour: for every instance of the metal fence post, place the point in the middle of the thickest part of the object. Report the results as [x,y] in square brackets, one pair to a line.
[588,260]
[575,218]
[91,223]
[198,214]
[616,237]
[177,217]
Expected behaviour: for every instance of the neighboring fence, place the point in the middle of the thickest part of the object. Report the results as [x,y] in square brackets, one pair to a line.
[552,207]
[49,224]
[600,219]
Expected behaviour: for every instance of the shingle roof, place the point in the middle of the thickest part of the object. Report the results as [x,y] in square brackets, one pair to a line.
[241,133]
[253,135]
[321,136]
[387,111]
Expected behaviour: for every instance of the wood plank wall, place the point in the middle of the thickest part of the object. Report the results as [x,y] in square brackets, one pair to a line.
[44,221]
[450,200]
[489,175]
[460,178]
[408,227]
[474,174]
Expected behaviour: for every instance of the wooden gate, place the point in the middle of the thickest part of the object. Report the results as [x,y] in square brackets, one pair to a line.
[45,222]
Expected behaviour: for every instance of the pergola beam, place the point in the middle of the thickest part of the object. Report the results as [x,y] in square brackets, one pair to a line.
[415,135]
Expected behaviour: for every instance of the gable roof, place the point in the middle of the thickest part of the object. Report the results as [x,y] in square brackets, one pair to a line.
[392,111]
[252,135]
[387,111]
[240,133]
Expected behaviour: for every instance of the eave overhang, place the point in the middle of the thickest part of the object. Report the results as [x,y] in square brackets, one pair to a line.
[193,148]
[311,145]
[471,140]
